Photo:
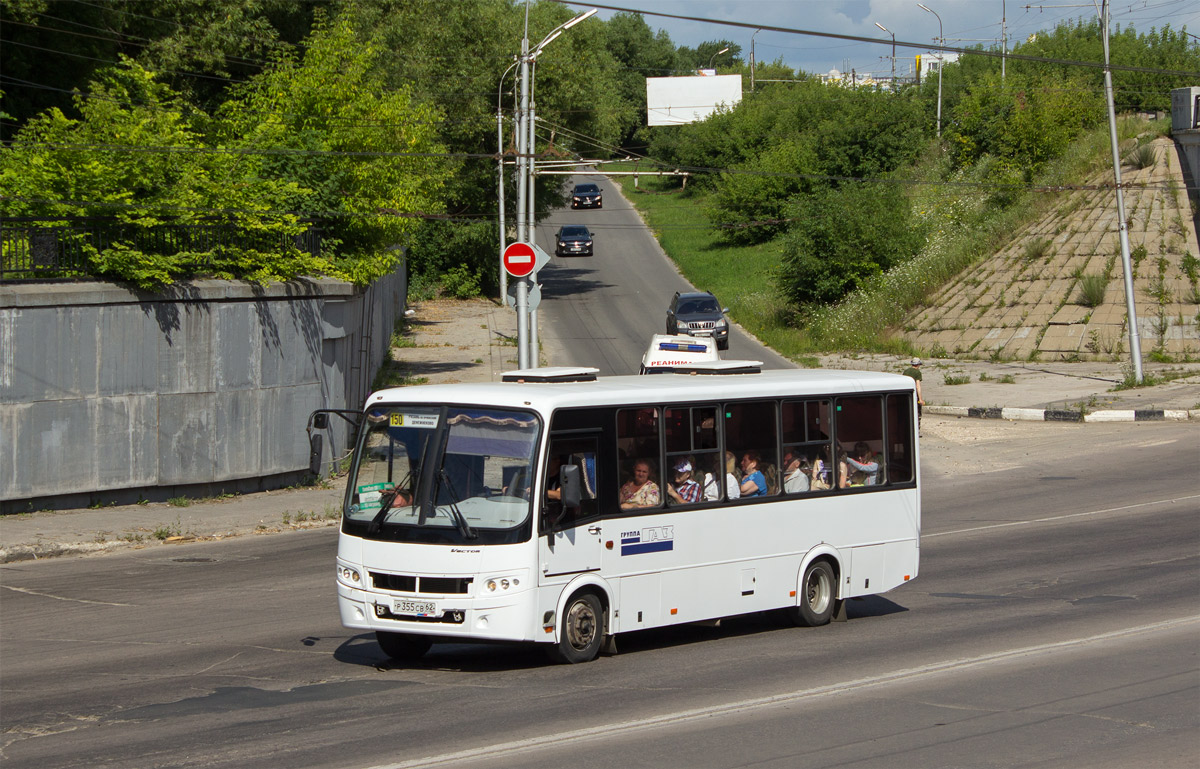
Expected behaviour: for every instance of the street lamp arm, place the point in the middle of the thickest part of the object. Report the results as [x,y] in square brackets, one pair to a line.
[559,30]
[500,88]
[715,55]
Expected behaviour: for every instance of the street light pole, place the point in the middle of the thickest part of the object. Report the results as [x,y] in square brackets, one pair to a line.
[893,34]
[500,164]
[522,203]
[941,63]
[526,208]
[715,55]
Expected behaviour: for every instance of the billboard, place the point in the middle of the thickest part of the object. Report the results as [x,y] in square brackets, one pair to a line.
[680,100]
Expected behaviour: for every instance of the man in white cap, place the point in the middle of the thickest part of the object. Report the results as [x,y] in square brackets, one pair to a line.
[914,371]
[685,490]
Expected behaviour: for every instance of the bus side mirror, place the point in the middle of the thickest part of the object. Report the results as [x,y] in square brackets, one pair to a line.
[320,420]
[569,484]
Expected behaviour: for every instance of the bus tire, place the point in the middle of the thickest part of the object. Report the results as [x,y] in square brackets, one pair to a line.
[817,596]
[402,647]
[581,631]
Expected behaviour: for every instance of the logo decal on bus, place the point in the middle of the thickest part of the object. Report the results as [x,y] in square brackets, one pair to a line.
[653,539]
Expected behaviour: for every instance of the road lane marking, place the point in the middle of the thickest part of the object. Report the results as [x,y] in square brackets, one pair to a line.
[604,730]
[62,598]
[1054,518]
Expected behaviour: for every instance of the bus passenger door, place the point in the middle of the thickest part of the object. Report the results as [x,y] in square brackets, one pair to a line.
[570,537]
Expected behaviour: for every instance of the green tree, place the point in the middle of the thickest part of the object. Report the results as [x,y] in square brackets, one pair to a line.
[137,156]
[366,158]
[639,53]
[195,46]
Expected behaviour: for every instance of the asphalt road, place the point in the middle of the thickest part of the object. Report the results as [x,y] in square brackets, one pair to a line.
[1055,623]
[601,310]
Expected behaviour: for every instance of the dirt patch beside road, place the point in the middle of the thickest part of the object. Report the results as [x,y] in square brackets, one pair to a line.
[451,340]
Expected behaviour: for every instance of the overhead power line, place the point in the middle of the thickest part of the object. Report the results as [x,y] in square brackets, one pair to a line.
[925,46]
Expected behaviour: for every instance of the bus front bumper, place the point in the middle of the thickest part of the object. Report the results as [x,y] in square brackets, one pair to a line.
[511,617]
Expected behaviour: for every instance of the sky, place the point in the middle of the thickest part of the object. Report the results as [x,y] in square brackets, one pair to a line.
[964,23]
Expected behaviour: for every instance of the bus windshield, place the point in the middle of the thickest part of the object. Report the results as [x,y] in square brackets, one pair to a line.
[465,472]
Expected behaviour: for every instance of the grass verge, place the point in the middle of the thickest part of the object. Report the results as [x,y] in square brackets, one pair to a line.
[965,226]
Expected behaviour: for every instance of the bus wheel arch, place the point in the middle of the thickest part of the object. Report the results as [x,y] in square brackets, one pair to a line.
[582,625]
[817,597]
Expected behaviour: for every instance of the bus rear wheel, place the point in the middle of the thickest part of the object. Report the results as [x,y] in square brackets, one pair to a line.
[581,631]
[817,598]
[402,647]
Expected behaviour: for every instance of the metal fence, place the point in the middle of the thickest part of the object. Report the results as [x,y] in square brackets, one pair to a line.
[36,249]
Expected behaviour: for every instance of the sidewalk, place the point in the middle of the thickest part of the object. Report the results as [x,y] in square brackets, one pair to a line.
[472,342]
[1059,392]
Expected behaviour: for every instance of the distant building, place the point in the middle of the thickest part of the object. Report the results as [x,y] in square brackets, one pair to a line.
[929,63]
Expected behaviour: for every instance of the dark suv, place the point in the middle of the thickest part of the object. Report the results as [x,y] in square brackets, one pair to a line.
[573,240]
[587,196]
[698,313]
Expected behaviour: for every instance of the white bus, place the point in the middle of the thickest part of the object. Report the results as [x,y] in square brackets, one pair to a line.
[564,509]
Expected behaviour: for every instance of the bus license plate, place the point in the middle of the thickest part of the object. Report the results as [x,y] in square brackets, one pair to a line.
[419,608]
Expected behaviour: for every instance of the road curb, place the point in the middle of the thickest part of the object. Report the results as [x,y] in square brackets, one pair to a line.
[1065,415]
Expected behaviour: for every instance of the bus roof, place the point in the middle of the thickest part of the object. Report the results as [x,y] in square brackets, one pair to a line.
[545,397]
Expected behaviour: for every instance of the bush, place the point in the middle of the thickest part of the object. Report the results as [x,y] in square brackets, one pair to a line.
[843,237]
[461,282]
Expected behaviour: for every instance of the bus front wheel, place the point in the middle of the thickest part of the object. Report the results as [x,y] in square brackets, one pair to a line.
[402,647]
[582,631]
[817,598]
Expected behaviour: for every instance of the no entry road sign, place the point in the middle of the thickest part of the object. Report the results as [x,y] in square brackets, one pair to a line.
[519,259]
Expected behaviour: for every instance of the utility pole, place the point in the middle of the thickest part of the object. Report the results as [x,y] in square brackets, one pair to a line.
[1135,345]
[1003,36]
[752,60]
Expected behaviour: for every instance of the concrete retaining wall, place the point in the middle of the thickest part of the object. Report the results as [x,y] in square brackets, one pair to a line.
[104,389]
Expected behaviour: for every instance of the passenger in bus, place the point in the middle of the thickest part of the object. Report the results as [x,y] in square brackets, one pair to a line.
[685,490]
[733,486]
[771,473]
[860,467]
[712,492]
[640,491]
[795,473]
[754,483]
[820,473]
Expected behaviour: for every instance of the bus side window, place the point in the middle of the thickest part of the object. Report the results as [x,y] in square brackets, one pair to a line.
[900,439]
[751,433]
[805,434]
[640,485]
[860,450]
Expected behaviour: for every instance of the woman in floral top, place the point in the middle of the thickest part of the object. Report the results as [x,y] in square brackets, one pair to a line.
[640,491]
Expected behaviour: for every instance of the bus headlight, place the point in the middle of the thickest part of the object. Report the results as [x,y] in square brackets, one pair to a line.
[500,584]
[348,576]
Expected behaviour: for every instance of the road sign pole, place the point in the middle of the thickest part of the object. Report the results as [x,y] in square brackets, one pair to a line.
[522,322]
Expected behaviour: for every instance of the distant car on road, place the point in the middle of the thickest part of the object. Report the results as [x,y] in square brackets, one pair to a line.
[698,313]
[587,196]
[573,240]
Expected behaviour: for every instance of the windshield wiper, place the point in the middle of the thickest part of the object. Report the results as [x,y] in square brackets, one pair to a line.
[460,520]
[386,506]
